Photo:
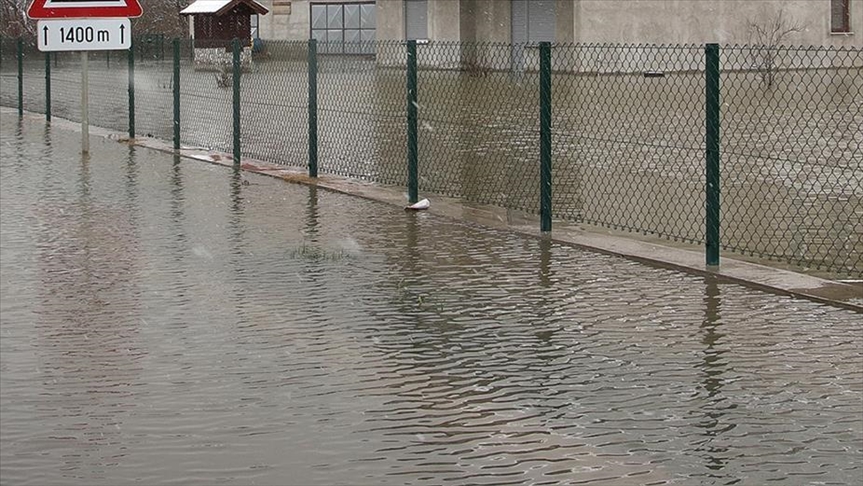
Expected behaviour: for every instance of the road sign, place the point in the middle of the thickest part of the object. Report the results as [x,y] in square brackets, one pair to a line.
[84,34]
[56,9]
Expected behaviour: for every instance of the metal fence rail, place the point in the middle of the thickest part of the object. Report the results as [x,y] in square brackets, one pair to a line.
[629,127]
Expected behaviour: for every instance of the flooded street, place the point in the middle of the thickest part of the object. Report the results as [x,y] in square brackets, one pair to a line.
[162,322]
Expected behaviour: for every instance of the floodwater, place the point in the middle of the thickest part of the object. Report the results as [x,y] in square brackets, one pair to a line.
[164,323]
[628,151]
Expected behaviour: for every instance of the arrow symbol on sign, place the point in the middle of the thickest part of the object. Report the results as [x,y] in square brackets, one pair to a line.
[122,30]
[45,31]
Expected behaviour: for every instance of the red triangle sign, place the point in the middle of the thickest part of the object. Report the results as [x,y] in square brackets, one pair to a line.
[60,9]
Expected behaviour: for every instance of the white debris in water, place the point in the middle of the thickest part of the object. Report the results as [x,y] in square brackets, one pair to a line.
[349,245]
[201,252]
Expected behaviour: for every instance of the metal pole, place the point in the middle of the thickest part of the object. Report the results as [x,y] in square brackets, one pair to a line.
[237,71]
[545,135]
[85,103]
[131,57]
[413,190]
[313,108]
[48,86]
[20,48]
[176,94]
[712,154]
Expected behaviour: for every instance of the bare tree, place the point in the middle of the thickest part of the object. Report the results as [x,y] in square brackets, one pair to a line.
[765,36]
[159,17]
[162,17]
[14,21]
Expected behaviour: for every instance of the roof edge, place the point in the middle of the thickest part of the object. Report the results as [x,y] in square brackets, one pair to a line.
[252,4]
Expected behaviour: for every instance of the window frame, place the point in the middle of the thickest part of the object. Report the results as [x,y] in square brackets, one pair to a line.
[328,46]
[844,8]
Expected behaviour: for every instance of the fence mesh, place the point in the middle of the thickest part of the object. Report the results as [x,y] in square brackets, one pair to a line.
[628,134]
[792,163]
[361,114]
[34,75]
[628,128]
[206,100]
[478,119]
[274,110]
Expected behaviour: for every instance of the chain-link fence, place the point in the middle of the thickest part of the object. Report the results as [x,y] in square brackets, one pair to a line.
[628,127]
[792,155]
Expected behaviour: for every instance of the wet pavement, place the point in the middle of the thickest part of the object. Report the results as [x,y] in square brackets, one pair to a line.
[163,322]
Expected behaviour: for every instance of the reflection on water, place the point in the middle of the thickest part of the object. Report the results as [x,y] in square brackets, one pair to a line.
[713,367]
[165,321]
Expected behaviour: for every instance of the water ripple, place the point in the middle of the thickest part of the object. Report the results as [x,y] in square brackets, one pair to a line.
[165,324]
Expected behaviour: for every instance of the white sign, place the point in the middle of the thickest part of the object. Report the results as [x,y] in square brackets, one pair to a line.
[84,34]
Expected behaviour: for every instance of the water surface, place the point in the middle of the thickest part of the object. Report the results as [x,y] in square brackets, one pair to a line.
[163,323]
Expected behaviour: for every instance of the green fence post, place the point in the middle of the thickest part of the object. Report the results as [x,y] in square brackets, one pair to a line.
[237,70]
[131,57]
[48,86]
[545,136]
[712,153]
[176,43]
[20,48]
[313,108]
[412,122]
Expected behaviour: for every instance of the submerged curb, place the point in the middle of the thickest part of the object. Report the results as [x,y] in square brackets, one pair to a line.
[754,275]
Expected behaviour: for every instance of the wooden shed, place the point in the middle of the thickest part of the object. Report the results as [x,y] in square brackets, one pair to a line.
[215,23]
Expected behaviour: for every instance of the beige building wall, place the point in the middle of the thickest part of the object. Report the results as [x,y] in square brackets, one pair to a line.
[444,20]
[286,20]
[390,20]
[629,21]
[701,21]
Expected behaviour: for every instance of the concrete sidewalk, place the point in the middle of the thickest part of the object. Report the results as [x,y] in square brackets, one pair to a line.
[635,247]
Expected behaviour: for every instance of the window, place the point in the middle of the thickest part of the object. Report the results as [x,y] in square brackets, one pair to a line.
[532,21]
[344,28]
[840,16]
[254,23]
[416,19]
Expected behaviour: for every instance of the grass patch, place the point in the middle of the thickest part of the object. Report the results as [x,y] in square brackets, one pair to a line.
[317,253]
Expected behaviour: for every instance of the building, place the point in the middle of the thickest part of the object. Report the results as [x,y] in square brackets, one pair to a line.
[215,23]
[819,22]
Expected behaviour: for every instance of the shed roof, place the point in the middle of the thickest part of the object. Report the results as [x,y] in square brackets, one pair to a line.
[220,7]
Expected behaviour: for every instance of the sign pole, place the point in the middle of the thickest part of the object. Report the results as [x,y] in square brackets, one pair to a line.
[83,25]
[85,115]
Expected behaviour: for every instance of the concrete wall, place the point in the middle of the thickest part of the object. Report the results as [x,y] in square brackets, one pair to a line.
[390,20]
[493,21]
[285,22]
[444,20]
[627,21]
[699,21]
